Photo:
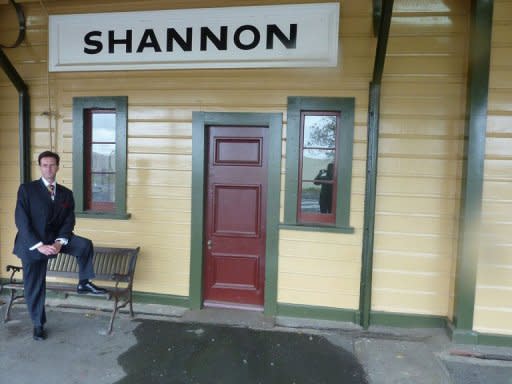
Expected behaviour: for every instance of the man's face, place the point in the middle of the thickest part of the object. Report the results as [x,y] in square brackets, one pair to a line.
[49,168]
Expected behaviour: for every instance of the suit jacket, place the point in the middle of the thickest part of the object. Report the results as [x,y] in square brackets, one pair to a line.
[41,219]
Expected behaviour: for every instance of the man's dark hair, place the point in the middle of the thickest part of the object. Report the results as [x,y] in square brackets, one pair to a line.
[48,154]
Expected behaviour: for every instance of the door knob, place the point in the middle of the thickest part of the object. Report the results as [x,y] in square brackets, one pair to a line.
[209,244]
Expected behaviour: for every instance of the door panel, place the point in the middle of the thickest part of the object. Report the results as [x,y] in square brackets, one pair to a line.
[235,216]
[236,210]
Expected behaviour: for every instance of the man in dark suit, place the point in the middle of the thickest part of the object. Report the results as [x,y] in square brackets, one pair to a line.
[45,219]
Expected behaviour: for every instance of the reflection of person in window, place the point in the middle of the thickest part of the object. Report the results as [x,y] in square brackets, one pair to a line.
[325,199]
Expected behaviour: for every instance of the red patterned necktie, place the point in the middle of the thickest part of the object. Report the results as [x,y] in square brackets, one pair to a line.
[51,190]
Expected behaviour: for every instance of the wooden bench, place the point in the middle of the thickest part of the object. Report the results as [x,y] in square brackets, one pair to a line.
[113,265]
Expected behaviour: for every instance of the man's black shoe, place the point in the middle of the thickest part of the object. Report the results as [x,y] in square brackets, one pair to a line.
[39,333]
[90,288]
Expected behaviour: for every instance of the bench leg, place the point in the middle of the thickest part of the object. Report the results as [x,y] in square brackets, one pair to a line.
[9,305]
[12,299]
[114,312]
[131,304]
[117,306]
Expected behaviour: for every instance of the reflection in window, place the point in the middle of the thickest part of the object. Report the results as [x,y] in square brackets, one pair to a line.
[317,189]
[310,198]
[100,159]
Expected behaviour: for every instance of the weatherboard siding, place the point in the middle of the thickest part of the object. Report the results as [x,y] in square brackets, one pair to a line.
[493,309]
[420,158]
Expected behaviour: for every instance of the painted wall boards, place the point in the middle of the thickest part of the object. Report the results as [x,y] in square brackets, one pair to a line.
[9,149]
[9,166]
[420,158]
[323,269]
[493,310]
[420,155]
[160,105]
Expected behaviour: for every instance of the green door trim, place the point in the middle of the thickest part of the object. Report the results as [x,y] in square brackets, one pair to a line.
[200,121]
[473,172]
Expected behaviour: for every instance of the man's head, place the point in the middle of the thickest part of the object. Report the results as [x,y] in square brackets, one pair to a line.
[49,165]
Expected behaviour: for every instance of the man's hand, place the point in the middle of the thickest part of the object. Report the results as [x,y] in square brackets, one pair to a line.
[50,250]
[57,245]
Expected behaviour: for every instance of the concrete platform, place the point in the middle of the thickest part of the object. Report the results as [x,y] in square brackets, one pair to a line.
[165,344]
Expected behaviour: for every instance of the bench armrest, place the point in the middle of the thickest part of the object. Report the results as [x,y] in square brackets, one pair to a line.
[120,277]
[14,269]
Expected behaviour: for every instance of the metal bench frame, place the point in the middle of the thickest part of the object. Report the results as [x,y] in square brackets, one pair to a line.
[115,265]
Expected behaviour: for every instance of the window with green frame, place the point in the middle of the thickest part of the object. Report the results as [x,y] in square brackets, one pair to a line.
[319,141]
[99,156]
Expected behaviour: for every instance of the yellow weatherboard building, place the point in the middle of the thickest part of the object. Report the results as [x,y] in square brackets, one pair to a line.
[209,158]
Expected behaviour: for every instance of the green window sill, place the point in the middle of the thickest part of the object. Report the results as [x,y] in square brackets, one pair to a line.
[317,228]
[101,215]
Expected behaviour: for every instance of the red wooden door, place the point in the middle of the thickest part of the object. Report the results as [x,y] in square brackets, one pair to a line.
[235,220]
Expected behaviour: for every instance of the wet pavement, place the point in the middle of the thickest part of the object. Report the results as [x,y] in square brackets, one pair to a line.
[203,353]
[166,344]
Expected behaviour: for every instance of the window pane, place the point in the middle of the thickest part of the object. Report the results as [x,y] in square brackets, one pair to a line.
[316,160]
[316,198]
[104,127]
[103,158]
[103,188]
[310,198]
[319,131]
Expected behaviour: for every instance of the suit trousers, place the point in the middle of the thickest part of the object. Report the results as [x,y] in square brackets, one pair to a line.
[34,276]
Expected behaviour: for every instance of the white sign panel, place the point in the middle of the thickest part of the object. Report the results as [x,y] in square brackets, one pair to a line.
[297,35]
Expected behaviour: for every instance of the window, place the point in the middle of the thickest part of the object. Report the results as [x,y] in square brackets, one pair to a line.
[100,159]
[318,181]
[99,156]
[319,139]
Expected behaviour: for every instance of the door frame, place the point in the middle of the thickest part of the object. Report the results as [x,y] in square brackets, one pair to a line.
[200,122]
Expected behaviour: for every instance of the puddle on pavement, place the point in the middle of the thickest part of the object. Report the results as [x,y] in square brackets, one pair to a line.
[177,353]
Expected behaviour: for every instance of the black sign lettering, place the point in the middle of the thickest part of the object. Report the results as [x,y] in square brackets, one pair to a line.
[221,43]
[273,30]
[149,40]
[98,45]
[255,37]
[172,35]
[127,41]
[245,37]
